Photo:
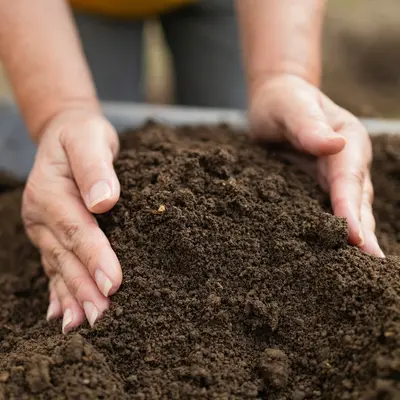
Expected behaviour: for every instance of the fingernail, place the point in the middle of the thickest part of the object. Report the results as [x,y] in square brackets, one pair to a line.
[67,319]
[382,254]
[99,192]
[335,137]
[102,281]
[361,237]
[91,312]
[51,310]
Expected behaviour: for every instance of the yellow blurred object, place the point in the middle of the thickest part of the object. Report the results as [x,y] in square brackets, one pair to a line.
[128,8]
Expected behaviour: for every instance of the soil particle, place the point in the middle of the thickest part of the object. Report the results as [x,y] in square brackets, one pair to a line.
[274,367]
[73,351]
[38,373]
[238,283]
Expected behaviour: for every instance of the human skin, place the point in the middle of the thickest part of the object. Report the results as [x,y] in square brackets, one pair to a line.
[73,175]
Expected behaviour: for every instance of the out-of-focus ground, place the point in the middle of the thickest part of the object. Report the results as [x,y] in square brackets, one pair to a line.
[361,58]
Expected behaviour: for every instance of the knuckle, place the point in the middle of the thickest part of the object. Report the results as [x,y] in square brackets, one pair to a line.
[58,257]
[34,203]
[30,199]
[71,233]
[76,285]
[30,194]
[35,232]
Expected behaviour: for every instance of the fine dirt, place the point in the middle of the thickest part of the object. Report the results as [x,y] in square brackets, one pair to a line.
[238,284]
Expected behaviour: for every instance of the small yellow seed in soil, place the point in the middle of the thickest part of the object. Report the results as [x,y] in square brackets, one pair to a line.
[161,209]
[388,334]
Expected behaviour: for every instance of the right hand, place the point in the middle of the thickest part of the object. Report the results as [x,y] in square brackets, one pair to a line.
[73,177]
[289,109]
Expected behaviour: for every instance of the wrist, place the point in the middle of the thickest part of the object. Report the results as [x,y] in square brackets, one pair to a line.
[270,78]
[38,123]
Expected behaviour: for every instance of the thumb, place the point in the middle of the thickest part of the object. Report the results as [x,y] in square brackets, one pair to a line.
[91,151]
[306,126]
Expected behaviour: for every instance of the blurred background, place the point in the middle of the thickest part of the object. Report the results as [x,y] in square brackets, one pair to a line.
[361,56]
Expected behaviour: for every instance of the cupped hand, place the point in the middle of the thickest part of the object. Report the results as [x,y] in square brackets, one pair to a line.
[288,108]
[72,178]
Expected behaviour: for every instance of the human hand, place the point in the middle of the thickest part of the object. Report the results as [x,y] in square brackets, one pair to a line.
[72,178]
[288,108]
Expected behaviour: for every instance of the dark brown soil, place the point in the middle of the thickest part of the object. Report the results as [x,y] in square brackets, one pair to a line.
[238,283]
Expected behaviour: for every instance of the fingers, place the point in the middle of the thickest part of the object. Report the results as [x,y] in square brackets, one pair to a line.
[346,174]
[286,107]
[66,271]
[54,310]
[73,176]
[91,161]
[371,245]
[346,187]
[73,314]
[79,233]
[352,196]
[76,277]
[67,227]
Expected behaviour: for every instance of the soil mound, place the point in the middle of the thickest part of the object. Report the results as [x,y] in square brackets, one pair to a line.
[238,283]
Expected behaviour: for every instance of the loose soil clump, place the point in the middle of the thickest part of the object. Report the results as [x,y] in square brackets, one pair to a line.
[238,283]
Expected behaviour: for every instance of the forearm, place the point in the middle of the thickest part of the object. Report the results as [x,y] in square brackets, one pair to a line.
[281,36]
[43,59]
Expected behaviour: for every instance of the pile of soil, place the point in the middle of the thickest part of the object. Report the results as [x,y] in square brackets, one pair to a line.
[238,284]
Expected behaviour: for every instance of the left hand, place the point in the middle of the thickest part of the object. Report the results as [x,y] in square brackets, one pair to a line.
[72,178]
[288,108]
